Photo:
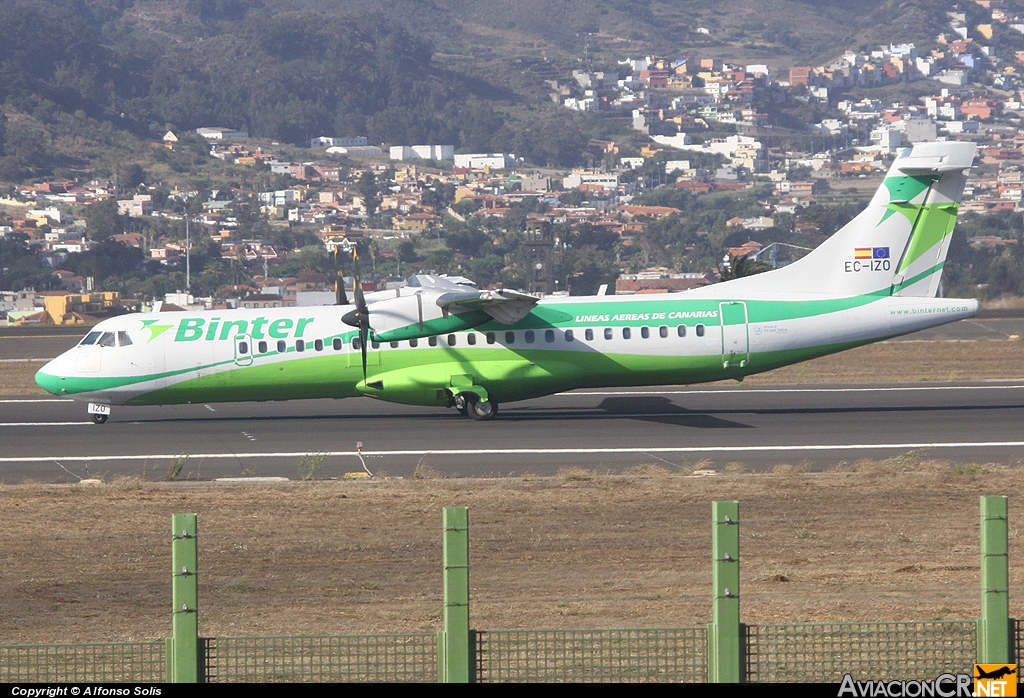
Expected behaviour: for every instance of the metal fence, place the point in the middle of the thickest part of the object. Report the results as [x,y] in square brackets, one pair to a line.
[578,656]
[89,662]
[340,658]
[824,652]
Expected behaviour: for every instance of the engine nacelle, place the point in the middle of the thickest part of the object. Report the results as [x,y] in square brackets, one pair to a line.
[418,315]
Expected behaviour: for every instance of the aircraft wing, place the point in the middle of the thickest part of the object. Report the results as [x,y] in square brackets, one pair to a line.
[504,305]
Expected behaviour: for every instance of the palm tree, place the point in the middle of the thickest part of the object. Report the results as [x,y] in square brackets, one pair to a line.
[738,267]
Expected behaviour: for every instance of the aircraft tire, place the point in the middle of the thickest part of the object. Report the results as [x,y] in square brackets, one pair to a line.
[99,419]
[462,404]
[483,410]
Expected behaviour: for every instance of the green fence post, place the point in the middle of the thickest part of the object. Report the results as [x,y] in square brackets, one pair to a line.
[183,660]
[725,650]
[994,641]
[455,638]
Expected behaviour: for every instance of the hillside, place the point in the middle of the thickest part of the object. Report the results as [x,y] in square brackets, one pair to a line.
[451,71]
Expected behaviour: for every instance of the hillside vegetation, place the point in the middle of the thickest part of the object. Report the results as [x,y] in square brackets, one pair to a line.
[468,73]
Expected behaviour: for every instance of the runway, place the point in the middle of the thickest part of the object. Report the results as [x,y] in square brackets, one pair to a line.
[51,440]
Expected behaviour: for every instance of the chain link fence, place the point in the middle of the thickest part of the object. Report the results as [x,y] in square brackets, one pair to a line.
[579,656]
[92,662]
[824,652]
[341,658]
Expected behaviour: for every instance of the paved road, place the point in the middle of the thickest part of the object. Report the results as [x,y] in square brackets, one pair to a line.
[51,440]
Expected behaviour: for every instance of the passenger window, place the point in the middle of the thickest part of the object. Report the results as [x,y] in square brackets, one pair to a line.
[626,333]
[394,345]
[375,344]
[510,338]
[589,334]
[300,345]
[106,339]
[663,331]
[700,330]
[471,338]
[91,338]
[432,341]
[529,336]
[490,338]
[123,340]
[607,332]
[243,347]
[451,340]
[263,347]
[356,344]
[568,336]
[681,330]
[281,346]
[337,344]
[318,345]
[414,343]
[645,332]
[549,335]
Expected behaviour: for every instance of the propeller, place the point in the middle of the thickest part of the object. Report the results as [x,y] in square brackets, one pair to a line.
[360,317]
[339,283]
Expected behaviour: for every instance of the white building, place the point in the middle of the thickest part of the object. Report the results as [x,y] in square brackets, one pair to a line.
[217,133]
[332,141]
[479,161]
[605,181]
[422,152]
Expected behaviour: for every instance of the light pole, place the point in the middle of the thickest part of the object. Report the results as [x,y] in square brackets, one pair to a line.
[188,254]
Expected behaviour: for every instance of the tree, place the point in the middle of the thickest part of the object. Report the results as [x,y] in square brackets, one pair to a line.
[370,192]
[103,220]
[739,267]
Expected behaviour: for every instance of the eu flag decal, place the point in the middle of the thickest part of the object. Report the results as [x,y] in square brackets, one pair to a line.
[879,253]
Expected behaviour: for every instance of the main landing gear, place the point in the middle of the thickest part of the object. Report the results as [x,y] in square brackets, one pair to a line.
[469,403]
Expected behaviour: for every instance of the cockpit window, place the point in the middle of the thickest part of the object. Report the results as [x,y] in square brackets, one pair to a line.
[106,339]
[90,338]
[123,340]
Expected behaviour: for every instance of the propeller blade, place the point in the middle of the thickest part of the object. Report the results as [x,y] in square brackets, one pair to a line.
[362,312]
[339,283]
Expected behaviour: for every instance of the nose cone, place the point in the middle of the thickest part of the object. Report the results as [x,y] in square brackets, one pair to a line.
[50,378]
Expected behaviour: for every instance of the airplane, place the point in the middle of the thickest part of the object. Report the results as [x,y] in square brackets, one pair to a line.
[443,343]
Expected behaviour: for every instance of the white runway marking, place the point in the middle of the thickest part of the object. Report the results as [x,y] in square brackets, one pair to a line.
[41,424]
[535,451]
[59,399]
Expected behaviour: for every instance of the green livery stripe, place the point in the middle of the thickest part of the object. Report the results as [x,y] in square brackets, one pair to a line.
[419,376]
[283,373]
[72,385]
[934,222]
[907,188]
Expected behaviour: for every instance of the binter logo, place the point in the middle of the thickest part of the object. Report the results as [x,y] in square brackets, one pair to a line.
[995,680]
[155,328]
[192,329]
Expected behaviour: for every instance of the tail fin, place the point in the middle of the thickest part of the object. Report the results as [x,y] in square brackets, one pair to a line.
[898,244]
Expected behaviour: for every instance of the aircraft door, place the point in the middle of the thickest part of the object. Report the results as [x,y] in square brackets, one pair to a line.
[735,340]
[243,350]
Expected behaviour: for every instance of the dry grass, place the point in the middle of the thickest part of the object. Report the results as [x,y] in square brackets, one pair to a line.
[874,540]
[901,362]
[19,378]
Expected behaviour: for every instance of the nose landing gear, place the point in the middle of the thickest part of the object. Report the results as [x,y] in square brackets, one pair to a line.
[99,412]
